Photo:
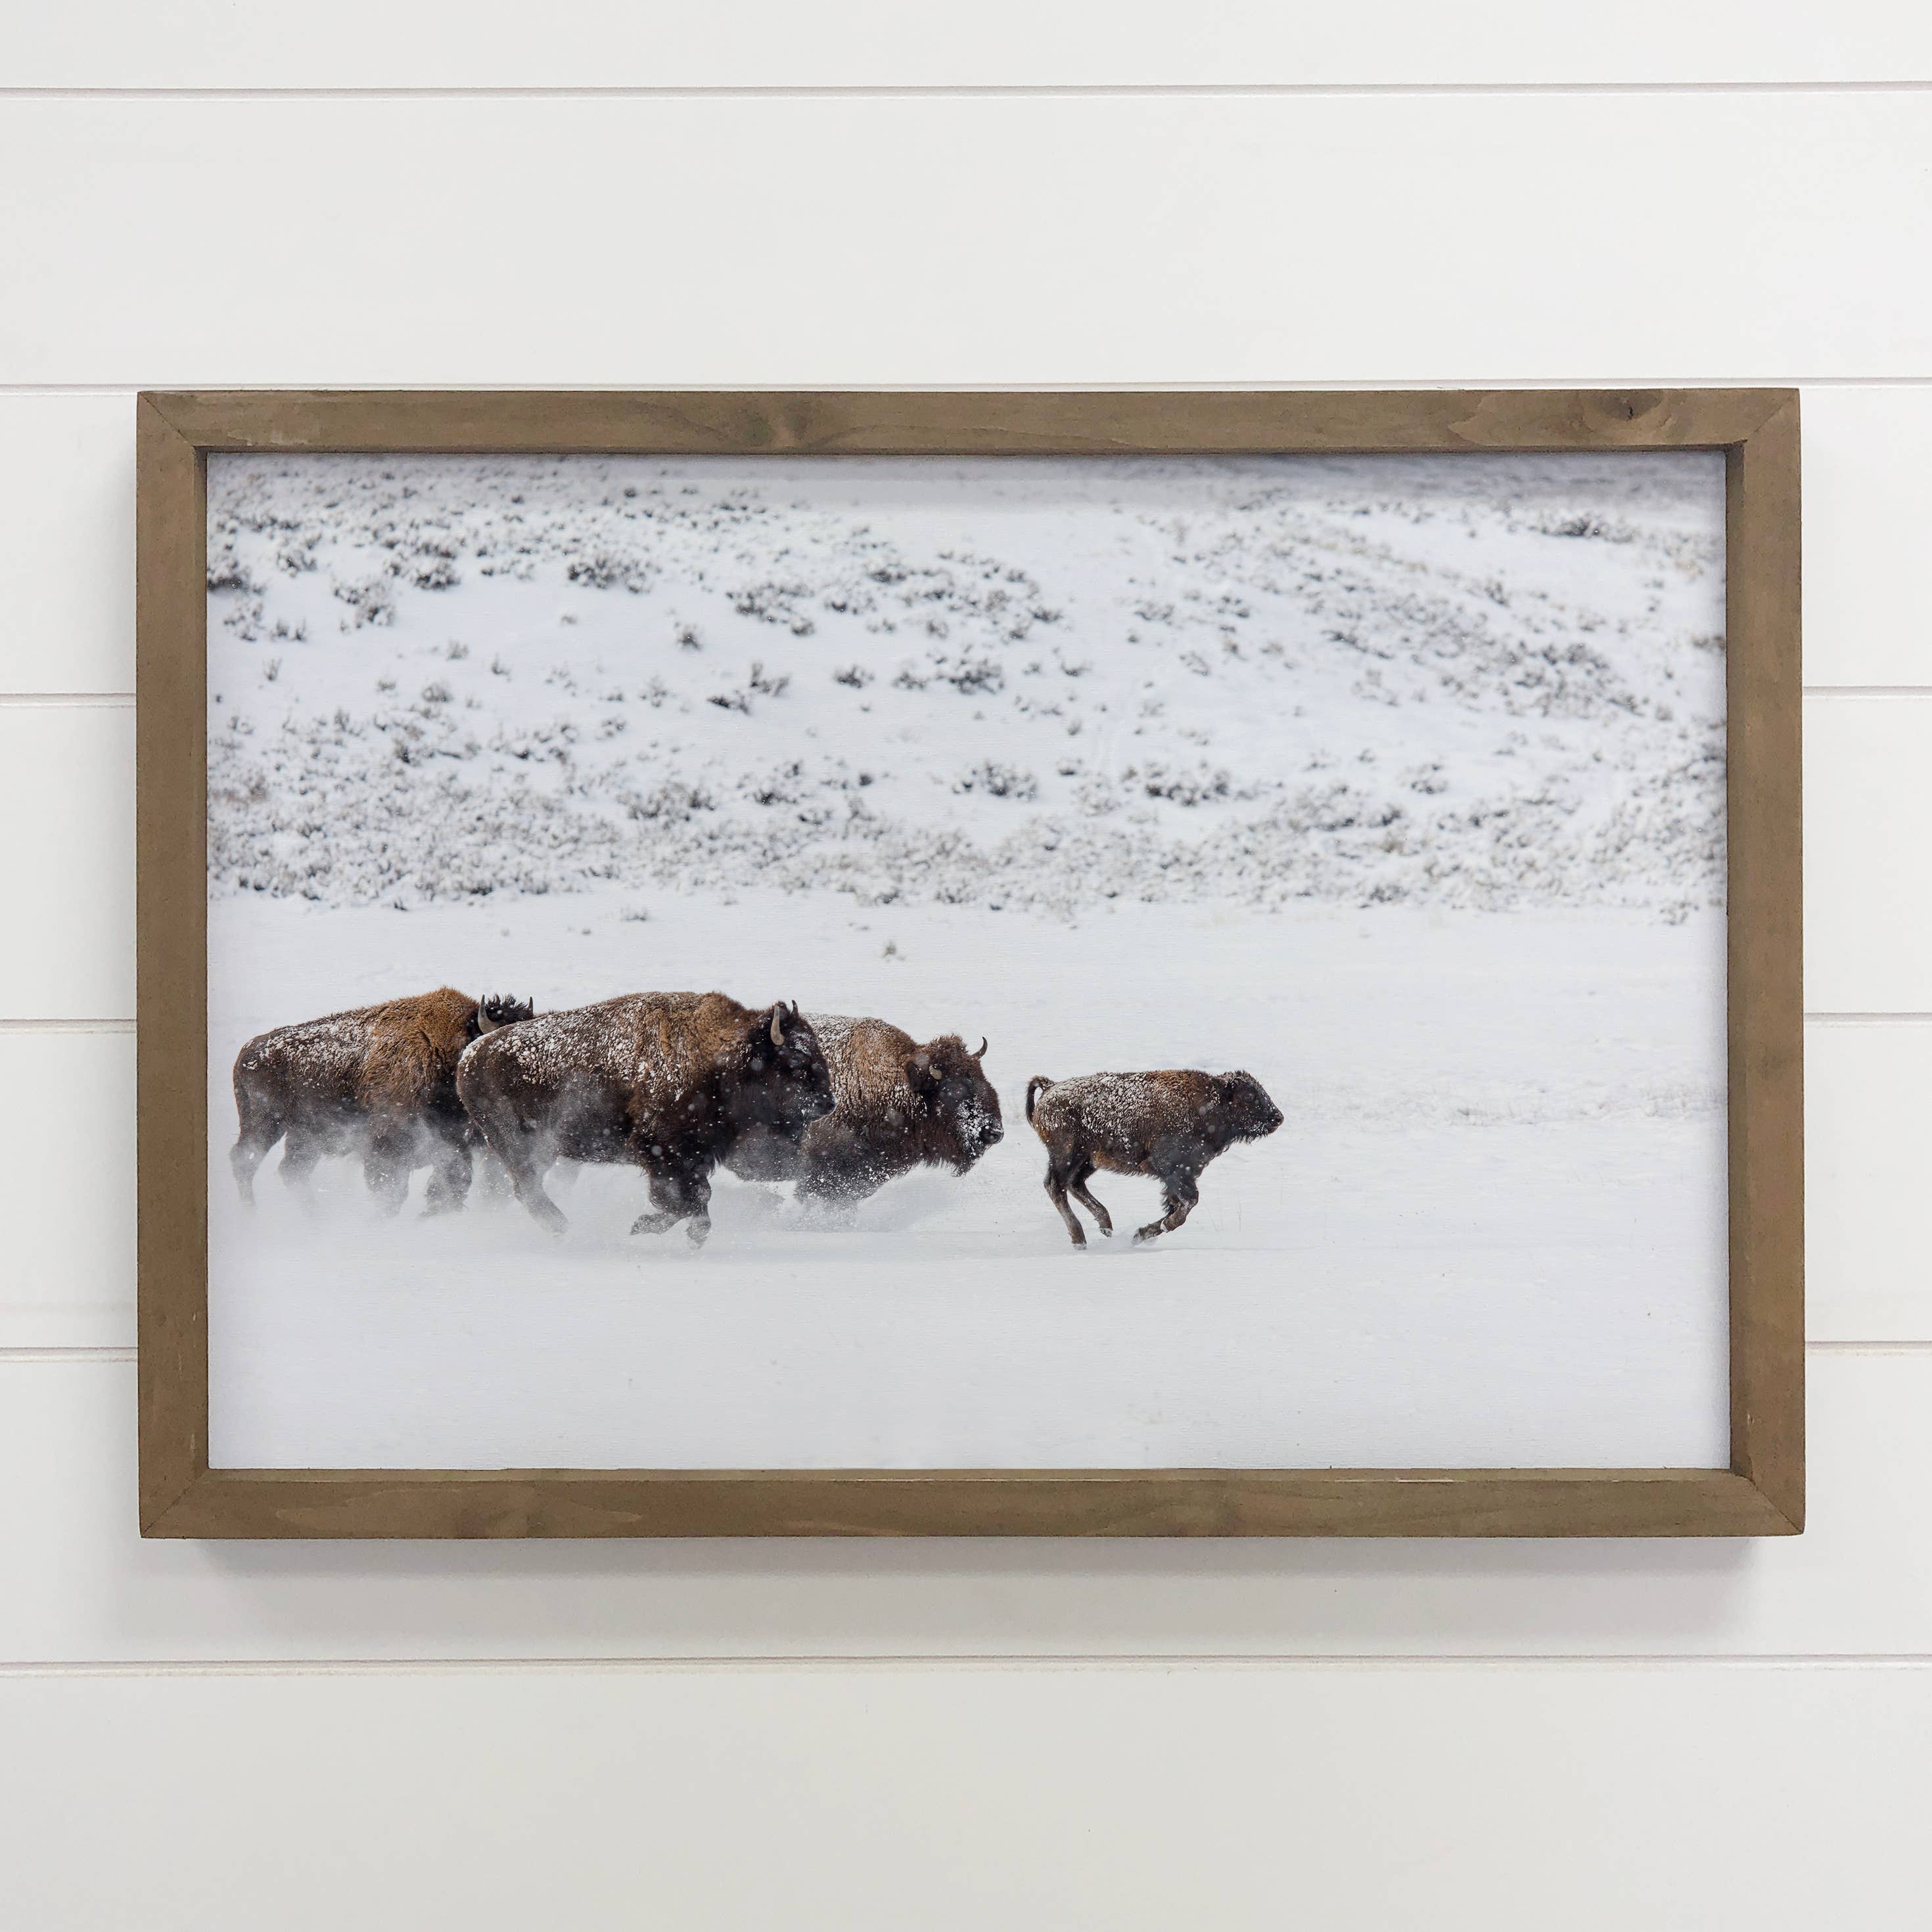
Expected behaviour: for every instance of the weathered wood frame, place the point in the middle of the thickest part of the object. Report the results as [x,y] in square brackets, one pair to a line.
[1762,1492]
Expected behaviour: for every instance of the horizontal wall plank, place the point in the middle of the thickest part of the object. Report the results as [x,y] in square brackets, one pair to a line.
[1093,240]
[961,1799]
[873,44]
[1867,508]
[1867,834]
[1868,1207]
[67,864]
[66,543]
[67,1190]
[83,1587]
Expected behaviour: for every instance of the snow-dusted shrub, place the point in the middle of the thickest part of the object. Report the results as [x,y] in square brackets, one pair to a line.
[997,781]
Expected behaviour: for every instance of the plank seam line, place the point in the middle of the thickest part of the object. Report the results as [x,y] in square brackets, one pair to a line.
[29,1026]
[1827,1017]
[1651,380]
[927,91]
[67,701]
[1867,690]
[964,1662]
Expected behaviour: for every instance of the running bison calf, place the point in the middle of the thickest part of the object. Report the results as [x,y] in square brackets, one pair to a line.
[379,1081]
[900,1105]
[1169,1124]
[667,1081]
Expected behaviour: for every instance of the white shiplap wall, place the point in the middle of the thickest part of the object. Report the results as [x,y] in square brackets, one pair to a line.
[1479,1735]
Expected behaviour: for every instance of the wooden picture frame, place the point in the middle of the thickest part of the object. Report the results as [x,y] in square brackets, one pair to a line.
[1761,1492]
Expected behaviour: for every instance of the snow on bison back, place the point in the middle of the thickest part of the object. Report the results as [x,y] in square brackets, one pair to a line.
[1169,1124]
[667,1081]
[379,1081]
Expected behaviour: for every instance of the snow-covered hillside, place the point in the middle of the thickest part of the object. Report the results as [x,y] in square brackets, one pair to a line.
[1470,681]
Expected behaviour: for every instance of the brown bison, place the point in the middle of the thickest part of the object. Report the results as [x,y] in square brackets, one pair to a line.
[665,1081]
[1169,1124]
[379,1081]
[900,1105]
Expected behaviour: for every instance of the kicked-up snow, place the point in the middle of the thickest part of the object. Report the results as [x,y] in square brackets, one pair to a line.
[1398,782]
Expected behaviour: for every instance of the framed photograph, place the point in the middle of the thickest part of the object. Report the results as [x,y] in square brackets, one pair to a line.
[918,964]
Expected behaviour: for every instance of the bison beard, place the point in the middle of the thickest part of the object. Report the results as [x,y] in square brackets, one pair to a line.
[1168,1124]
[380,1081]
[667,1081]
[901,1105]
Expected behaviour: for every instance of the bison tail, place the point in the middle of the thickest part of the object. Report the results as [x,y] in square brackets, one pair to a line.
[1037,1085]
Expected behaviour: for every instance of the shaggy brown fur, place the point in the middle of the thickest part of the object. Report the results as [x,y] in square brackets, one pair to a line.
[1169,1124]
[665,1081]
[901,1105]
[379,1081]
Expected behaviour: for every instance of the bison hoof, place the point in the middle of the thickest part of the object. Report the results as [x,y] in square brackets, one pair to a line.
[697,1232]
[652,1224]
[549,1216]
[1148,1233]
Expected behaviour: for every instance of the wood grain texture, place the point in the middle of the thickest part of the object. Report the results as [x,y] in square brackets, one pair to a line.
[171,975]
[1763,1493]
[700,422]
[1765,961]
[995,1502]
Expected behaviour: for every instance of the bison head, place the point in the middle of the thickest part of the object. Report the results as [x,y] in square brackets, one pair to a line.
[962,1110]
[783,1081]
[1247,1113]
[502,1010]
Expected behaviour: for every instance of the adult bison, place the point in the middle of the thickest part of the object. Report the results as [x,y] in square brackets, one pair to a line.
[1169,1124]
[900,1105]
[378,1081]
[664,1081]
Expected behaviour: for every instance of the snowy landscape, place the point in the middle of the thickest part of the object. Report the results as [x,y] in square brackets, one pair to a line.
[1398,782]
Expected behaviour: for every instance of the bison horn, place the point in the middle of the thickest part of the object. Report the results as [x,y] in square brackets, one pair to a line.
[777,1027]
[982,1054]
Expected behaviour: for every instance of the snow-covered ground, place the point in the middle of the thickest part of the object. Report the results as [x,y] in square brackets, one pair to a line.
[1398,783]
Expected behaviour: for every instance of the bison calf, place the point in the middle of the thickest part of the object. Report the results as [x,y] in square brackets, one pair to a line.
[666,1081]
[380,1081]
[900,1105]
[1169,1124]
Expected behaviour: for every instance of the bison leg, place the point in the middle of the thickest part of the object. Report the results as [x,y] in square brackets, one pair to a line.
[492,1178]
[386,1162]
[1076,1185]
[1180,1193]
[677,1197]
[1056,1192]
[300,1152]
[449,1176]
[525,1157]
[260,1130]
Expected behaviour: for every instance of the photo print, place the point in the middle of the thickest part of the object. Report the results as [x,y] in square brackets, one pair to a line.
[801,962]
